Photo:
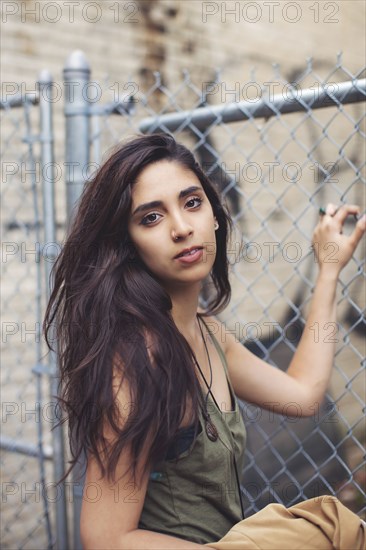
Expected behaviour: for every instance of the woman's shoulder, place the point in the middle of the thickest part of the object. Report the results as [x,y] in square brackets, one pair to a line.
[215,328]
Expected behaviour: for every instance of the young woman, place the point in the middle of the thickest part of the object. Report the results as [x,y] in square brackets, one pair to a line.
[150,381]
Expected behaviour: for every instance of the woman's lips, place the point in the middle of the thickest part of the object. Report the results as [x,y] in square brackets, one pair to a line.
[190,256]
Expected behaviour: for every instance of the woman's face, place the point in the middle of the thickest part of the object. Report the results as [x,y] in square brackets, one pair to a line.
[171,213]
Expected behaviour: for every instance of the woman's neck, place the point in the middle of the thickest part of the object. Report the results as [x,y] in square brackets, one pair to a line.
[184,312]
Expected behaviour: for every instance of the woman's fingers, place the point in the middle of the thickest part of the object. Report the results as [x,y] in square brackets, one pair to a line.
[339,213]
[345,210]
[331,209]
[358,231]
[329,231]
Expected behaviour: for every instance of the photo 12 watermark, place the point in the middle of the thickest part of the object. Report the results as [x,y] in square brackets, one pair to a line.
[51,492]
[22,332]
[274,172]
[51,412]
[254,92]
[122,11]
[91,92]
[270,12]
[251,252]
[249,172]
[267,492]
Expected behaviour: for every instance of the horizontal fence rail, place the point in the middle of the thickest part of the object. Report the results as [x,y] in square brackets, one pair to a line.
[19,99]
[301,100]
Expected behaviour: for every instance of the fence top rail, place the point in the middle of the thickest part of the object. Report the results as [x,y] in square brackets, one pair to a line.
[295,100]
[19,99]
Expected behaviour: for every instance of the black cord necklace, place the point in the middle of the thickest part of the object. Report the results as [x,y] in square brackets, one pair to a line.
[210,427]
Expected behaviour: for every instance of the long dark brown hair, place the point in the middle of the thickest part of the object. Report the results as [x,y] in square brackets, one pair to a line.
[105,303]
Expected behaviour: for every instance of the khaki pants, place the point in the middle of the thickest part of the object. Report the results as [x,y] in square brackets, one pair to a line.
[320,523]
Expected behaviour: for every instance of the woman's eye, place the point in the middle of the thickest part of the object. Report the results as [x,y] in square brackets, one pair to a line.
[149,219]
[194,202]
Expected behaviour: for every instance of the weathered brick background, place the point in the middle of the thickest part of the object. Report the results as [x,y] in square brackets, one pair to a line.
[126,37]
[125,42]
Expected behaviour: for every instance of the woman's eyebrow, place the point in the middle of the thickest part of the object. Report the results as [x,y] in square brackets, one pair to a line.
[157,204]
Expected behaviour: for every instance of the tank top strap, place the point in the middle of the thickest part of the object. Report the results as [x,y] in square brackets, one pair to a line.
[221,355]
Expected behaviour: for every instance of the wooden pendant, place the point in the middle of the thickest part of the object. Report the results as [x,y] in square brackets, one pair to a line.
[211,430]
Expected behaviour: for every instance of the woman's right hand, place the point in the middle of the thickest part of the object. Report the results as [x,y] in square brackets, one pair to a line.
[332,248]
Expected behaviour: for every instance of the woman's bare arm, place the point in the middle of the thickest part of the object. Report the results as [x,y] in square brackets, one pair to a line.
[299,391]
[111,512]
[111,521]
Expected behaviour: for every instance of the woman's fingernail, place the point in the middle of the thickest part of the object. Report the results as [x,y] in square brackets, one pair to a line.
[362,222]
[332,209]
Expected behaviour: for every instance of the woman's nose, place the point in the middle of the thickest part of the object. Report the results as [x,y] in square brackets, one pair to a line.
[181,229]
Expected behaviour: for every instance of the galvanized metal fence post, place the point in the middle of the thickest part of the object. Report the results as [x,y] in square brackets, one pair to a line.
[50,254]
[76,80]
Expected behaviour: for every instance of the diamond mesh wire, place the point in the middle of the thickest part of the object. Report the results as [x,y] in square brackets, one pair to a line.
[26,516]
[274,172]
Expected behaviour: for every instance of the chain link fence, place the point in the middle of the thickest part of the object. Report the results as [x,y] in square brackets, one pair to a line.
[277,150]
[31,455]
[26,447]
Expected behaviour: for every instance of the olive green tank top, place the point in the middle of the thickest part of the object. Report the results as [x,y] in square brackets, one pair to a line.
[194,494]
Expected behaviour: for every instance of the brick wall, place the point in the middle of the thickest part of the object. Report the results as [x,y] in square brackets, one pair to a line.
[167,35]
[128,40]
